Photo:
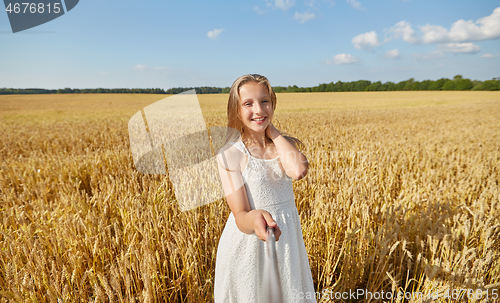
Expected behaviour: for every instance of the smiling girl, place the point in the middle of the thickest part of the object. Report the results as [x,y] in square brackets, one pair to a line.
[257,167]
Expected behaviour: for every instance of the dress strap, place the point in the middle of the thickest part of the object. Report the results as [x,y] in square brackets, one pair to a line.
[241,147]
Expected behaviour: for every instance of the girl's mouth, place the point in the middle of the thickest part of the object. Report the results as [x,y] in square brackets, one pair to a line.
[259,120]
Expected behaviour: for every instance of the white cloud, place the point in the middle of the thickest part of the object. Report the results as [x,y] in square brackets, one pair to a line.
[486,28]
[393,53]
[402,30]
[460,48]
[140,67]
[215,33]
[343,59]
[281,4]
[304,17]
[490,55]
[433,34]
[366,41]
[355,4]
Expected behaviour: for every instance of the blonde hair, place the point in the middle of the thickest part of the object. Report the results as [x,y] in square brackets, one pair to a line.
[234,124]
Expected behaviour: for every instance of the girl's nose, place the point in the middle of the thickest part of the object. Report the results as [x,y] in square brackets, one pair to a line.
[257,107]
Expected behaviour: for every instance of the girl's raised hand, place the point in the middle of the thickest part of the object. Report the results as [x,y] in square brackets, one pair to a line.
[262,220]
[272,132]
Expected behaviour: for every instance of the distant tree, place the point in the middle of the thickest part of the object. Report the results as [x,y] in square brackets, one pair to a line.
[338,87]
[424,85]
[487,85]
[438,84]
[391,86]
[464,84]
[450,85]
[347,87]
[329,87]
[408,84]
[375,86]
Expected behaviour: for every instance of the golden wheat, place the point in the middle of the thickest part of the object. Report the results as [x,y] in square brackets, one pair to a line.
[403,194]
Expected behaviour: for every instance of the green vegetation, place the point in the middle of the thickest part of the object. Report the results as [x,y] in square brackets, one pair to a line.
[458,83]
[177,90]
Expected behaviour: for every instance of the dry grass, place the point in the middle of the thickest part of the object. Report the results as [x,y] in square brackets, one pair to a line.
[403,193]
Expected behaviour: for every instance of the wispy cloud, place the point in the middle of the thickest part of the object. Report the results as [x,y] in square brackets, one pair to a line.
[490,56]
[304,17]
[366,41]
[460,48]
[281,4]
[393,53]
[142,67]
[343,59]
[258,10]
[215,33]
[355,4]
[309,3]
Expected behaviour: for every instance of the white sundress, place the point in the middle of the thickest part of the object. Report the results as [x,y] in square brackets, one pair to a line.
[240,257]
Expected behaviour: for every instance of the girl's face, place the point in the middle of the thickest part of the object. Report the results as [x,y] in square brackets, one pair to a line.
[256,111]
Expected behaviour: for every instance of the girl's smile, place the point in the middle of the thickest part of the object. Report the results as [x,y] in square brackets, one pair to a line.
[259,120]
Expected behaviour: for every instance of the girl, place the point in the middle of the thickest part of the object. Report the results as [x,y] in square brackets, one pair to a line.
[256,167]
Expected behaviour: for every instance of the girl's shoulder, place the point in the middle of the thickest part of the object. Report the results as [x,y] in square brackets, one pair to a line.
[240,146]
[231,155]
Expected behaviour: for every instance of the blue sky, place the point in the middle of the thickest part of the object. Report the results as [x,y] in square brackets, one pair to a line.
[168,44]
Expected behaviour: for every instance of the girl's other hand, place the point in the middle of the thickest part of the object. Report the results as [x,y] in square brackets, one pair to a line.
[262,220]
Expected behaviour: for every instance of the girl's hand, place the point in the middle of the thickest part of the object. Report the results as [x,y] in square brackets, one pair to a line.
[272,132]
[261,221]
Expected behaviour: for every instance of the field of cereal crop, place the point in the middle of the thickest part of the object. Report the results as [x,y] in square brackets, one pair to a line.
[402,195]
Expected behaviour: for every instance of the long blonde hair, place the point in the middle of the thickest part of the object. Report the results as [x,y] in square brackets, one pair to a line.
[234,124]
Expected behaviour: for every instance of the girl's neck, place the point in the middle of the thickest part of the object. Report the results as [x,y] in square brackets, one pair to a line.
[256,139]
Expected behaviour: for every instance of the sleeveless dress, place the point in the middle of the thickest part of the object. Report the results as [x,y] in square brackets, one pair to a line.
[240,257]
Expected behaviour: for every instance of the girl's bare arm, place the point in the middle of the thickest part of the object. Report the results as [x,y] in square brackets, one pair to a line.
[294,162]
[248,221]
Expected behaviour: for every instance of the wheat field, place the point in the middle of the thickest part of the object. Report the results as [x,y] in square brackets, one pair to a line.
[402,195]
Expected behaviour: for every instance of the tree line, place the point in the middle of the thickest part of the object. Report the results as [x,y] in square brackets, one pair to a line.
[457,83]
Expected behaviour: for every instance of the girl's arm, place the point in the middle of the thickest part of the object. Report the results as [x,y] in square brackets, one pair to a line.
[294,162]
[247,220]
